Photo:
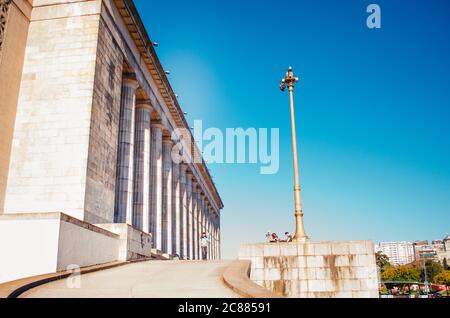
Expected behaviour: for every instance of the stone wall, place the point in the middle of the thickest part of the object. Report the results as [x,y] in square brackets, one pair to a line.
[314,269]
[51,136]
[43,243]
[103,141]
[12,50]
[134,244]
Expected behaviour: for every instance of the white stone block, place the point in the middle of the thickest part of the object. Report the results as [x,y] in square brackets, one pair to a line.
[257,274]
[368,284]
[323,273]
[348,272]
[272,274]
[271,250]
[361,272]
[300,248]
[290,274]
[310,273]
[315,285]
[370,248]
[342,260]
[358,247]
[257,262]
[314,261]
[303,286]
[272,262]
[301,262]
[308,249]
[288,250]
[349,285]
[360,260]
[322,249]
[303,273]
[340,248]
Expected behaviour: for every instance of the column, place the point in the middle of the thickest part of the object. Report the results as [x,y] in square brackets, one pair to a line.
[199,217]
[156,176]
[176,210]
[219,246]
[193,216]
[123,210]
[216,238]
[194,229]
[213,240]
[199,221]
[211,229]
[167,196]
[141,191]
[189,214]
[218,235]
[208,229]
[202,219]
[183,206]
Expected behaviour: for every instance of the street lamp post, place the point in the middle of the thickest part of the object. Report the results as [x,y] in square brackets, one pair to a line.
[300,236]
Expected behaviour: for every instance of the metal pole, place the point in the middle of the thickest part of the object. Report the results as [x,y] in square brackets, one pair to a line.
[300,235]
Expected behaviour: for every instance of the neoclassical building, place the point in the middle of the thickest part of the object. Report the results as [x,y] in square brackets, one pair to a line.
[90,128]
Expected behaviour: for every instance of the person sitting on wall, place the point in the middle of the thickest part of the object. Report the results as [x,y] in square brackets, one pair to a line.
[274,238]
[268,236]
[288,237]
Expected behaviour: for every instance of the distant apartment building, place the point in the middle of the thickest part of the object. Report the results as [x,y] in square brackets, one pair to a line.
[399,253]
[445,254]
[419,247]
[437,251]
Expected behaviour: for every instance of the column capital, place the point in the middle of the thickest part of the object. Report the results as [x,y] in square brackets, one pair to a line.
[167,140]
[144,104]
[129,79]
[157,124]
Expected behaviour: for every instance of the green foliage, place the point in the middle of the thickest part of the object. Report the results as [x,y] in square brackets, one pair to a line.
[442,278]
[445,264]
[382,261]
[432,268]
[405,273]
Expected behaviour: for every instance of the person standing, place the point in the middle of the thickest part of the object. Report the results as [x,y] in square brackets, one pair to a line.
[204,241]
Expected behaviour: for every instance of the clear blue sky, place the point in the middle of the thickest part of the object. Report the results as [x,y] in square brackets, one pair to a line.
[373,110]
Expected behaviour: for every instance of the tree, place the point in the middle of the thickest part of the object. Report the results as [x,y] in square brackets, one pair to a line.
[443,279]
[382,261]
[445,264]
[405,273]
[433,268]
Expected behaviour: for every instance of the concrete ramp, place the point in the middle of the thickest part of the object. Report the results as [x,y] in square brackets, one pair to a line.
[152,279]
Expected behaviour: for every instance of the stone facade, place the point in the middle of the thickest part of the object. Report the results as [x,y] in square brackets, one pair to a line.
[314,269]
[103,140]
[96,126]
[49,154]
[14,21]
